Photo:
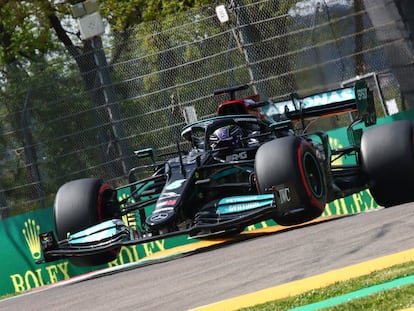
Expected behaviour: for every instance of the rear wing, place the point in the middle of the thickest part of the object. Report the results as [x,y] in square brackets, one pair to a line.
[356,98]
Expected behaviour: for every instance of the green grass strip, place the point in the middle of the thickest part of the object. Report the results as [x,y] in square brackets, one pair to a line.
[356,294]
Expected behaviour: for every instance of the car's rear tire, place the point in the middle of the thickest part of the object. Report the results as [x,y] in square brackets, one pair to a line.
[289,167]
[80,204]
[387,157]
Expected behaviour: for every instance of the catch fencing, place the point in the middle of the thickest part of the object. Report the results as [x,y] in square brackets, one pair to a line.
[85,116]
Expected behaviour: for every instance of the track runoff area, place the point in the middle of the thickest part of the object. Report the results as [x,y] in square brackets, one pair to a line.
[320,281]
[295,287]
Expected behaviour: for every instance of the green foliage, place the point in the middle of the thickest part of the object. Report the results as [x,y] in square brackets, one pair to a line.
[24,31]
[25,26]
[32,105]
[124,14]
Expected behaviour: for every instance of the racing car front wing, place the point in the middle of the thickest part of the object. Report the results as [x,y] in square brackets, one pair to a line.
[113,234]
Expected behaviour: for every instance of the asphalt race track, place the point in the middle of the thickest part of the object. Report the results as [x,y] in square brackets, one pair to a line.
[234,269]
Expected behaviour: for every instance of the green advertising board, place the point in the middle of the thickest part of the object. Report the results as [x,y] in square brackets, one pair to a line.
[20,249]
[20,246]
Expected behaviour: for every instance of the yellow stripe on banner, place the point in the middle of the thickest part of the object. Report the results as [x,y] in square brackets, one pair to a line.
[319,281]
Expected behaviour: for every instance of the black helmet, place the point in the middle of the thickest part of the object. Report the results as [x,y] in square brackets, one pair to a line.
[227,136]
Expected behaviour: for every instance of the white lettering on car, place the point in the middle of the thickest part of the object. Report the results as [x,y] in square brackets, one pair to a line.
[236,156]
[284,195]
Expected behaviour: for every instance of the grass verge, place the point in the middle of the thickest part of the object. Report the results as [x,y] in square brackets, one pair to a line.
[393,299]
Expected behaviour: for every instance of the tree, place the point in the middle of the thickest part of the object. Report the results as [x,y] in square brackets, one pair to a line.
[38,32]
[30,28]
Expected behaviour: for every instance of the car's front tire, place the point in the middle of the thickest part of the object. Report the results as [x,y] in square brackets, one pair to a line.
[289,167]
[80,204]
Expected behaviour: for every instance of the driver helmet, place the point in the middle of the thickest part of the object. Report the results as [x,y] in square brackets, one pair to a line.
[227,136]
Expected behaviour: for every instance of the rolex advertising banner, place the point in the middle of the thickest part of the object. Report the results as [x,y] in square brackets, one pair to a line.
[20,246]
[20,249]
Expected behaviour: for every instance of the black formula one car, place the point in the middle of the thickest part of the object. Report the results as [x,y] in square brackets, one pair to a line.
[246,165]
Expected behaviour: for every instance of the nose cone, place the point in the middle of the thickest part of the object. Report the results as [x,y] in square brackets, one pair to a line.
[160,218]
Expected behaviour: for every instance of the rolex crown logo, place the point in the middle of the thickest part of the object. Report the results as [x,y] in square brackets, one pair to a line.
[31,233]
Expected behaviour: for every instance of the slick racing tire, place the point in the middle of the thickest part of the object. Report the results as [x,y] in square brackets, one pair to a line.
[78,205]
[289,168]
[387,157]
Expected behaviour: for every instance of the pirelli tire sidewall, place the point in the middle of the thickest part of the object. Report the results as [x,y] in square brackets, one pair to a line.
[78,205]
[387,158]
[289,167]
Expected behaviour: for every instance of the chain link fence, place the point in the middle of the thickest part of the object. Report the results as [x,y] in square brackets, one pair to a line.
[144,85]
